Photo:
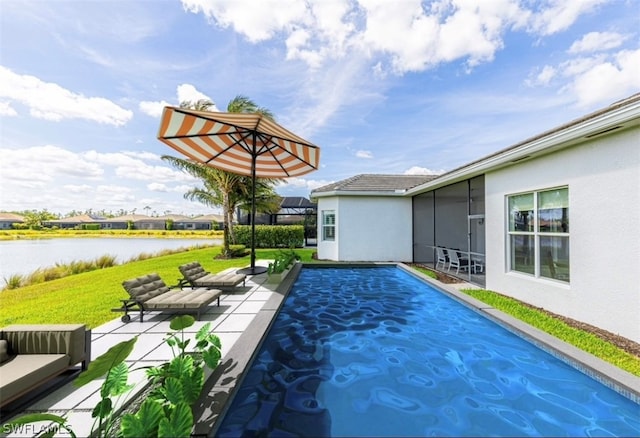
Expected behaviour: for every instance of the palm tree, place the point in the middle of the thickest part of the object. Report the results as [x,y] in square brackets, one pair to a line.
[266,199]
[220,187]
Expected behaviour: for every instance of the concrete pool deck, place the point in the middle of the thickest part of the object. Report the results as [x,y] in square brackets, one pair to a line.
[235,317]
[242,319]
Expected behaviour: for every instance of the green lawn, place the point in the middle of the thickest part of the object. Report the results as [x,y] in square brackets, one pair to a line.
[89,297]
[547,323]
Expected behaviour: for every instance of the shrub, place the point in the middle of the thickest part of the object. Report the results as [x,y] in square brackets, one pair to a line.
[106,261]
[271,236]
[13,282]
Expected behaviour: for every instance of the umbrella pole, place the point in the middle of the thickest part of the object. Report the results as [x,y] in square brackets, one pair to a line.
[253,270]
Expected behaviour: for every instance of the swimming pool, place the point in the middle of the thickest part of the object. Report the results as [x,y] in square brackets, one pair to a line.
[377,352]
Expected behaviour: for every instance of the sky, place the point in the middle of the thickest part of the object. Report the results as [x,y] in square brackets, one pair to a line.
[381,86]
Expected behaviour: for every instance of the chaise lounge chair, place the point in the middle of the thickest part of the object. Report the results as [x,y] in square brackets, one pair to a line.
[194,275]
[150,293]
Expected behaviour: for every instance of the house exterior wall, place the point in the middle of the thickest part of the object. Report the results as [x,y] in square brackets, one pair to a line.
[369,228]
[603,179]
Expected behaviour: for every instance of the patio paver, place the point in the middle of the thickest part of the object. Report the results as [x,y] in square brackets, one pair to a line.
[237,310]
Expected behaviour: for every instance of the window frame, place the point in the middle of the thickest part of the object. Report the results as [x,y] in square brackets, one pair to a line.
[328,229]
[535,234]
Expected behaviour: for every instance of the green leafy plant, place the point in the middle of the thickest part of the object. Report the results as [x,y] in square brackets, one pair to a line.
[166,412]
[283,259]
[176,386]
[115,384]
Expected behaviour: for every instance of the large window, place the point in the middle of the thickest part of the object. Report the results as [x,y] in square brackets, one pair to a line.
[539,233]
[328,225]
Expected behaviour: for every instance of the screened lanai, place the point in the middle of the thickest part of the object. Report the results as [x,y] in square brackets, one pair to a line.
[293,210]
[452,218]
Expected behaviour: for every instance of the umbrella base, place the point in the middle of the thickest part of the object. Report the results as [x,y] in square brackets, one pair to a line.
[252,270]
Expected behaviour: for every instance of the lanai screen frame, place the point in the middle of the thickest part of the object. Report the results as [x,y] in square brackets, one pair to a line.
[452,217]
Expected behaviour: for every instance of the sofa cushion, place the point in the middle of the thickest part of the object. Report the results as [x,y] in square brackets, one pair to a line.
[4,350]
[47,339]
[28,370]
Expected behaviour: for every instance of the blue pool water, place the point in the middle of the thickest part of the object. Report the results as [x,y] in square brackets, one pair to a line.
[377,352]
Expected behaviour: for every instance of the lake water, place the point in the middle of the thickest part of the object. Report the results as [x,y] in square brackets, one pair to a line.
[25,256]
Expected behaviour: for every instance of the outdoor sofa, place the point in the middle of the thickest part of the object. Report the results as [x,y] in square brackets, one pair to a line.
[194,275]
[31,355]
[150,293]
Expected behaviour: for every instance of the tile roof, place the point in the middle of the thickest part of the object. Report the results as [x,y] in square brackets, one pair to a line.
[78,219]
[208,218]
[376,183]
[11,217]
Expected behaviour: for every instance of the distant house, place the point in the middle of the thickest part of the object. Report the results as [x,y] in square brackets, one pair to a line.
[551,221]
[205,222]
[162,222]
[8,219]
[122,222]
[74,221]
[292,210]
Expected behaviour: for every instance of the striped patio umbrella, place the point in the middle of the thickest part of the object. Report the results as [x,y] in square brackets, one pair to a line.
[240,143]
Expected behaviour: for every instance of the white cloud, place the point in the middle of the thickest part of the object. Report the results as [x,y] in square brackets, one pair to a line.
[608,80]
[183,188]
[542,77]
[258,21]
[364,154]
[187,92]
[6,110]
[41,164]
[558,15]
[184,93]
[114,196]
[597,41]
[416,170]
[315,183]
[153,109]
[50,101]
[414,36]
[142,155]
[81,188]
[301,183]
[157,187]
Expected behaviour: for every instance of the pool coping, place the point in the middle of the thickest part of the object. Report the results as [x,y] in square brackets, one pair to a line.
[220,384]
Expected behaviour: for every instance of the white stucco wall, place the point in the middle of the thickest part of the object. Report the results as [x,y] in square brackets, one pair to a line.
[368,228]
[603,178]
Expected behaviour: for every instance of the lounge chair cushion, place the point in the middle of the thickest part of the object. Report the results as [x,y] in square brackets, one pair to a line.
[146,287]
[228,279]
[195,274]
[183,299]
